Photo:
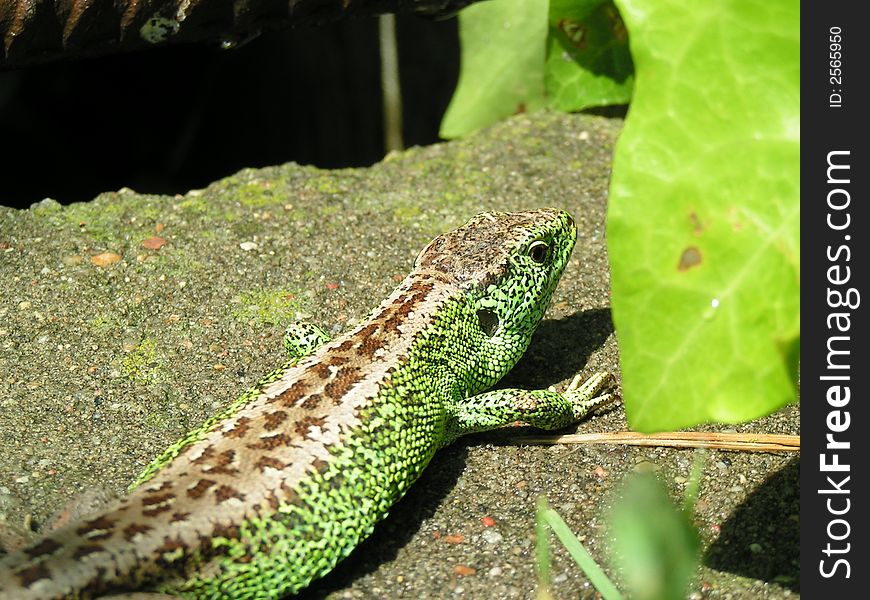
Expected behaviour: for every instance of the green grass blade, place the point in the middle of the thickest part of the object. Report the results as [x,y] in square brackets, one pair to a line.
[578,552]
[542,552]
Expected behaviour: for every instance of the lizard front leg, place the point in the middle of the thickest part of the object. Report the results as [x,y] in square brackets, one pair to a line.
[544,409]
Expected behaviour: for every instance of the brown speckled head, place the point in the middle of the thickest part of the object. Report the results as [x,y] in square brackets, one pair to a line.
[478,252]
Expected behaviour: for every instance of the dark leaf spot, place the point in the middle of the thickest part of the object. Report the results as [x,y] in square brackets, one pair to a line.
[691,257]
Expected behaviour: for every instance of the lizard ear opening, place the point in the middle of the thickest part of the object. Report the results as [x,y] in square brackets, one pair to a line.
[488,321]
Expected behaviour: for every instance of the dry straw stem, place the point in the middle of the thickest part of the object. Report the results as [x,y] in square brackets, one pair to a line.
[747,442]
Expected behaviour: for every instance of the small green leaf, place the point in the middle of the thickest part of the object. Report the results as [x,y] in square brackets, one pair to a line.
[502,71]
[588,61]
[704,216]
[654,544]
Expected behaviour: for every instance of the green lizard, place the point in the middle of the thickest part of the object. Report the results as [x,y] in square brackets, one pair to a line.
[281,486]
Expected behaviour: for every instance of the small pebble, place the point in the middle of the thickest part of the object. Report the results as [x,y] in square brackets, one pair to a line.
[491,536]
[646,466]
[248,246]
[464,571]
[106,259]
[154,243]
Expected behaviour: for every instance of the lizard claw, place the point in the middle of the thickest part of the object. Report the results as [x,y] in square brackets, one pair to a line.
[587,396]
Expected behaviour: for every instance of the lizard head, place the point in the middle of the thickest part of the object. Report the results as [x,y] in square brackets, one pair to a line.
[507,265]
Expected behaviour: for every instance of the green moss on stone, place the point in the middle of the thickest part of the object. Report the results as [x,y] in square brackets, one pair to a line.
[267,307]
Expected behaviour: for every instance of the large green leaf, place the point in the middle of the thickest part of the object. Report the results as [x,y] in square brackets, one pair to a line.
[588,61]
[502,73]
[703,226]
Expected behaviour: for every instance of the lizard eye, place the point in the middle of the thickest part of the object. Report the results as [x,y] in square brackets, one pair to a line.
[539,252]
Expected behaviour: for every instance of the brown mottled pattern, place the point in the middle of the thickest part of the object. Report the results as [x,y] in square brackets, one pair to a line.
[206,455]
[30,575]
[221,463]
[201,487]
[179,516]
[344,379]
[87,549]
[291,395]
[153,512]
[270,462]
[319,465]
[154,499]
[275,419]
[337,360]
[304,426]
[95,527]
[43,548]
[468,255]
[239,430]
[272,443]
[225,492]
[322,370]
[311,402]
[134,529]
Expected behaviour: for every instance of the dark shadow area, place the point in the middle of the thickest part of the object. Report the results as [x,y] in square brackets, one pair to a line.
[403,523]
[560,349]
[172,119]
[768,521]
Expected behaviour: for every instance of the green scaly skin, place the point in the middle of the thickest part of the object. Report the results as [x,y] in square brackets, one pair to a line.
[274,491]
